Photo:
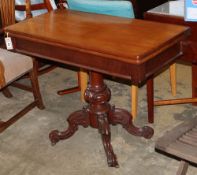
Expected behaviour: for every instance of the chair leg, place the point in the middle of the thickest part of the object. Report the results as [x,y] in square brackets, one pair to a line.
[71,90]
[173,78]
[35,85]
[150,100]
[134,100]
[37,100]
[82,85]
[83,82]
[6,92]
[173,89]
[182,168]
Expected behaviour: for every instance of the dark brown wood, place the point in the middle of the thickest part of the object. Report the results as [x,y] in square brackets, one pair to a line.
[36,102]
[141,6]
[35,85]
[5,124]
[194,81]
[47,5]
[6,92]
[139,58]
[61,5]
[189,49]
[189,46]
[28,8]
[100,114]
[148,61]
[21,86]
[150,100]
[7,10]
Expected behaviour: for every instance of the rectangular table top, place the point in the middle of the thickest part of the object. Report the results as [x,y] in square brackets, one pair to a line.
[172,12]
[91,40]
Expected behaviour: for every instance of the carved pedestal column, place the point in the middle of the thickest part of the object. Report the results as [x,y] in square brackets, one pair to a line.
[100,114]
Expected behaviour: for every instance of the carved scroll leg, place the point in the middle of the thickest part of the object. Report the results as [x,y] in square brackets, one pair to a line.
[75,119]
[104,129]
[123,117]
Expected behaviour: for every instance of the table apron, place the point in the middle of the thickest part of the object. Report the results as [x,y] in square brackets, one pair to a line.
[137,73]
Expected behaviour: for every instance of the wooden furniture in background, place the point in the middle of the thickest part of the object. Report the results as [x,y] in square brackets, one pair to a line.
[46,5]
[13,66]
[165,14]
[142,6]
[28,8]
[135,60]
[45,68]
[181,142]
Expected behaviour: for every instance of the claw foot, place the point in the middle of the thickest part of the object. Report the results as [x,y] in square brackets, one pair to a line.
[147,132]
[54,137]
[112,161]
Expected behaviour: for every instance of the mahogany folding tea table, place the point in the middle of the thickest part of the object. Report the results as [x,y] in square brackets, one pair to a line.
[126,48]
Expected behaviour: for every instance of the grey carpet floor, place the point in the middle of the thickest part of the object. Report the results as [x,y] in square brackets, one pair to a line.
[26,150]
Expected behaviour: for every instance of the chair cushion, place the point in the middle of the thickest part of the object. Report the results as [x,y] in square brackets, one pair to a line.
[15,65]
[20,15]
[108,7]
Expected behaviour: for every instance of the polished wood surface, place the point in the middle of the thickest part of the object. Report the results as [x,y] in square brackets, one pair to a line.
[132,49]
[112,54]
[27,7]
[189,46]
[189,49]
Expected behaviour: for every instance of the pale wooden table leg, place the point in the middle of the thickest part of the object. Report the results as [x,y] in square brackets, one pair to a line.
[83,82]
[173,78]
[134,100]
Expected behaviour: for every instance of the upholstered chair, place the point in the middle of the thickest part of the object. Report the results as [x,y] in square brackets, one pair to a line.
[121,8]
[13,66]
